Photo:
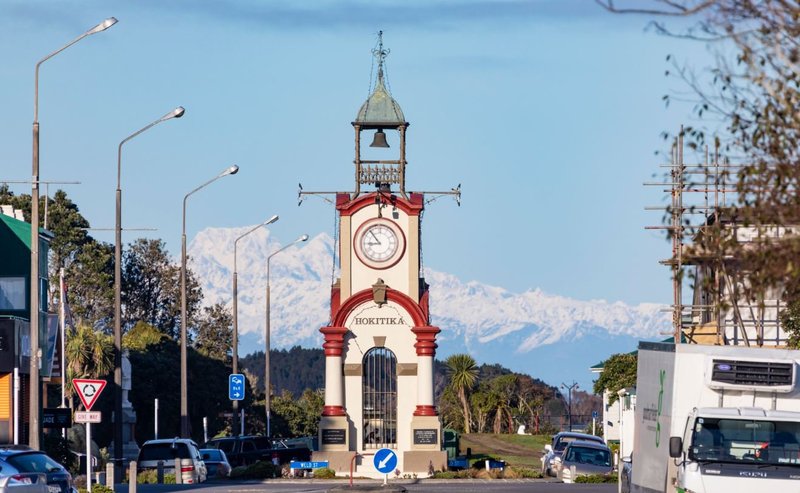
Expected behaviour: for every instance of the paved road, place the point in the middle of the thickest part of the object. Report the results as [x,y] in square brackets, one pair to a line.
[435,486]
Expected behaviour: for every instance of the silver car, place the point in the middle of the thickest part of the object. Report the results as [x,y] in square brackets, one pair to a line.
[583,458]
[23,483]
[559,443]
[192,468]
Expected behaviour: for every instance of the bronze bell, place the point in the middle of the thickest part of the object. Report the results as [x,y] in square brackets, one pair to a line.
[380,139]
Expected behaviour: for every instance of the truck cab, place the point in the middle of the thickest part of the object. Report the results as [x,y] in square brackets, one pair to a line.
[720,446]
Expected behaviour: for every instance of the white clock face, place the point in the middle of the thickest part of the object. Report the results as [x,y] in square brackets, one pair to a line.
[380,244]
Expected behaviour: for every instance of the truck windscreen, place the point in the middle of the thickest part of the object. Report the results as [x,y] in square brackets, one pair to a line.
[745,440]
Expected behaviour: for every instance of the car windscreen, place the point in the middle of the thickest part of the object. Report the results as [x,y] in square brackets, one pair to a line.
[164,451]
[35,462]
[586,455]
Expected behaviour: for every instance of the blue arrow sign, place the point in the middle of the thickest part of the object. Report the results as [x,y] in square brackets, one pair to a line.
[385,460]
[236,386]
[594,415]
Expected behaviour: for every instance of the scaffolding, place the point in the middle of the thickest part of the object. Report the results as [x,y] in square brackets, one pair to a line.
[709,305]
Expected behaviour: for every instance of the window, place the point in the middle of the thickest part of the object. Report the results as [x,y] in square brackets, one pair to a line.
[12,293]
[379,383]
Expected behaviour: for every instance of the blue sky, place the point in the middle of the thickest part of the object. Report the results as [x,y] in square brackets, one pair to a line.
[547,112]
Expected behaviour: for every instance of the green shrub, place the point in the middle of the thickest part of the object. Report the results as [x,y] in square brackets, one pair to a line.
[463,474]
[260,470]
[97,488]
[522,472]
[150,476]
[597,478]
[324,473]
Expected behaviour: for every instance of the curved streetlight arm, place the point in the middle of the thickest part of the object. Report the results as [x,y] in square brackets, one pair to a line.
[236,241]
[96,29]
[209,182]
[301,239]
[176,113]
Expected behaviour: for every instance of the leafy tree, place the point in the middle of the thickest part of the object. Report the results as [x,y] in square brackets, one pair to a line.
[463,373]
[90,281]
[297,417]
[151,289]
[69,229]
[752,93]
[90,354]
[790,321]
[619,372]
[215,332]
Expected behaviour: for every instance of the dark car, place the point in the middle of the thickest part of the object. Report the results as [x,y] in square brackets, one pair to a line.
[246,450]
[216,462]
[559,443]
[16,461]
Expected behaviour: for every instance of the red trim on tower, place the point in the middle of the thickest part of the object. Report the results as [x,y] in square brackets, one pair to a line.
[426,411]
[334,411]
[334,340]
[412,206]
[418,317]
[336,298]
[426,340]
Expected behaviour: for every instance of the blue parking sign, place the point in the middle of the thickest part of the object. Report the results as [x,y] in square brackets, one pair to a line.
[236,386]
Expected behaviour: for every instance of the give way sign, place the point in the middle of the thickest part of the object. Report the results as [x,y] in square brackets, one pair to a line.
[88,390]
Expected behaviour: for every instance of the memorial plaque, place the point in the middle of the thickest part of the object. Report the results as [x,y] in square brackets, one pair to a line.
[335,436]
[426,436]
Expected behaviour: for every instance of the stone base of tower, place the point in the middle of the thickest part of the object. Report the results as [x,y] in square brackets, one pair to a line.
[422,462]
[338,461]
[334,434]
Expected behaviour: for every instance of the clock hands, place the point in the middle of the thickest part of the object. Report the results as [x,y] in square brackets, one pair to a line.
[376,239]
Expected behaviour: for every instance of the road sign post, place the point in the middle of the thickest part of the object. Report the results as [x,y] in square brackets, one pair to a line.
[594,420]
[89,390]
[236,386]
[385,461]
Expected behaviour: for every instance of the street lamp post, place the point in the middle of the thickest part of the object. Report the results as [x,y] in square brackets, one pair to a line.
[570,388]
[176,113]
[184,401]
[235,351]
[34,426]
[267,336]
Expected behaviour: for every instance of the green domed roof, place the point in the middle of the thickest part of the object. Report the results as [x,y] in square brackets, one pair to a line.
[380,107]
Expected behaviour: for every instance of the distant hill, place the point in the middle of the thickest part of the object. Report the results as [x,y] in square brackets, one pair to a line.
[297,369]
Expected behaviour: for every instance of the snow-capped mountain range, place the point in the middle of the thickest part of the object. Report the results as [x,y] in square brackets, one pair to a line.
[547,336]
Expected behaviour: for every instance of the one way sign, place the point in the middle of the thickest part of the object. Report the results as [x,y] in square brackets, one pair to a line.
[236,386]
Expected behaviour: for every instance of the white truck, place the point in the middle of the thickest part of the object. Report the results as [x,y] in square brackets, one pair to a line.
[714,419]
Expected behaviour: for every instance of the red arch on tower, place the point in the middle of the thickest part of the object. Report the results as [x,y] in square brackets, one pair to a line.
[418,315]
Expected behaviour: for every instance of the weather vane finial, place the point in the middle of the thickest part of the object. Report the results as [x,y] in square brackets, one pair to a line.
[380,54]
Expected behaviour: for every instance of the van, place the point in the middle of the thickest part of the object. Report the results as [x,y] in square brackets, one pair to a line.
[193,469]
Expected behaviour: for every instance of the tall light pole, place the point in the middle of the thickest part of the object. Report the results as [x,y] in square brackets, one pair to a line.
[266,338]
[176,113]
[570,388]
[184,400]
[33,425]
[235,428]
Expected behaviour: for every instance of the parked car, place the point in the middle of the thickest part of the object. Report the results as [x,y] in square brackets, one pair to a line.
[23,464]
[246,450]
[583,458]
[193,470]
[559,443]
[625,473]
[216,463]
[24,483]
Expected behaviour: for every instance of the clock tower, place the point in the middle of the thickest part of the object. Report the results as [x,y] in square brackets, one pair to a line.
[379,346]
